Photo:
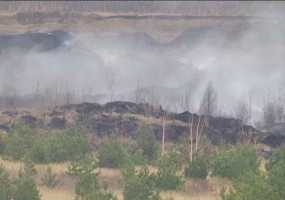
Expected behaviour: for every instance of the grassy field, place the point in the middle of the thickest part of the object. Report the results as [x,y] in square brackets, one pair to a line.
[193,189]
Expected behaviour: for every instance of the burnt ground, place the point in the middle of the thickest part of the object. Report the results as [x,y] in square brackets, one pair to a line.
[124,118]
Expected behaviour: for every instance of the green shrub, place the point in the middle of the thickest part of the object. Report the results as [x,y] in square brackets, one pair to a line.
[25,188]
[23,142]
[168,176]
[113,154]
[197,168]
[250,186]
[278,155]
[146,141]
[235,162]
[88,188]
[140,185]
[19,141]
[276,180]
[68,145]
[255,186]
[22,187]
[49,179]
[5,185]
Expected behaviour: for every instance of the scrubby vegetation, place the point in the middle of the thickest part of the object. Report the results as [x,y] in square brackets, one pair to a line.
[197,168]
[140,184]
[146,173]
[235,162]
[147,143]
[113,154]
[49,179]
[22,187]
[258,186]
[88,187]
[24,142]
[169,176]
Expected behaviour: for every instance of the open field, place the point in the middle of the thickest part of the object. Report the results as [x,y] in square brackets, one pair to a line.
[193,189]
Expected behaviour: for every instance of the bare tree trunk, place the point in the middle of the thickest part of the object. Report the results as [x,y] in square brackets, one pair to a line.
[197,134]
[191,140]
[163,136]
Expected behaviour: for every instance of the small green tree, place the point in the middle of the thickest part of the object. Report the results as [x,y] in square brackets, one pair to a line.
[5,185]
[168,176]
[146,140]
[278,155]
[197,168]
[25,188]
[276,179]
[113,154]
[253,185]
[250,186]
[140,185]
[67,145]
[88,187]
[235,162]
[19,141]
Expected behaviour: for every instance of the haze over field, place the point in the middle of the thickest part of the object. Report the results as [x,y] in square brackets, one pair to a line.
[243,60]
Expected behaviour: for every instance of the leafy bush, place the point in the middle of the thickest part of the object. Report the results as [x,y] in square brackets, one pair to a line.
[49,179]
[25,188]
[5,185]
[255,186]
[19,141]
[250,186]
[22,187]
[235,162]
[140,185]
[88,188]
[197,168]
[146,141]
[70,144]
[276,179]
[278,155]
[113,154]
[168,176]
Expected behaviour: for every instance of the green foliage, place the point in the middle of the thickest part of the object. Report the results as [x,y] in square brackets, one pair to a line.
[88,188]
[49,179]
[19,141]
[168,175]
[276,180]
[255,186]
[197,168]
[251,186]
[5,185]
[24,188]
[140,185]
[146,141]
[278,155]
[67,145]
[113,154]
[235,162]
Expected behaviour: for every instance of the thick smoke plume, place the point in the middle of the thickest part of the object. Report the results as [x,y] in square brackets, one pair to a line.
[243,61]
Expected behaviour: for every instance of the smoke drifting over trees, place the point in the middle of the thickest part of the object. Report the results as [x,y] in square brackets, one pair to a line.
[239,59]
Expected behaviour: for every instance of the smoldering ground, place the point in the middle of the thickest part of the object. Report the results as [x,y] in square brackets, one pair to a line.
[241,60]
